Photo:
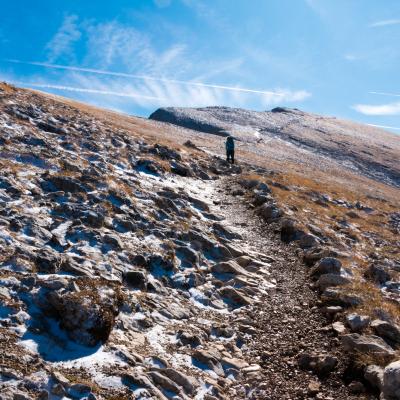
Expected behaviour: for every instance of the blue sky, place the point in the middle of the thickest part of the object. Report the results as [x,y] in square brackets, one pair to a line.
[335,57]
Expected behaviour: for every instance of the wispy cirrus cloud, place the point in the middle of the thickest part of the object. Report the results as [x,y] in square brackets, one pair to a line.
[87,90]
[62,42]
[385,22]
[384,127]
[386,94]
[151,94]
[283,93]
[380,109]
[151,75]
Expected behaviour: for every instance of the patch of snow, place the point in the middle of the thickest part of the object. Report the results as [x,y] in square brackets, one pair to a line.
[156,337]
[108,382]
[200,301]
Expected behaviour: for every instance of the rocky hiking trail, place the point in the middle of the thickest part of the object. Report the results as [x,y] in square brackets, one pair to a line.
[285,330]
[135,267]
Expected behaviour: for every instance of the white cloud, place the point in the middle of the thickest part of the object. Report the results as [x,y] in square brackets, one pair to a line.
[386,94]
[62,42]
[151,93]
[86,90]
[386,22]
[382,109]
[283,94]
[351,57]
[151,77]
[384,127]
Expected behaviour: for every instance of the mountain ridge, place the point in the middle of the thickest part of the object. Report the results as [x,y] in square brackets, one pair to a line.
[372,151]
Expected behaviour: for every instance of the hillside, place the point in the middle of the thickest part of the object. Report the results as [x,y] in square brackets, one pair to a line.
[325,142]
[136,263]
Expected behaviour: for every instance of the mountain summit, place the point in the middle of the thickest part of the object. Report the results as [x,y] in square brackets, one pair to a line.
[297,135]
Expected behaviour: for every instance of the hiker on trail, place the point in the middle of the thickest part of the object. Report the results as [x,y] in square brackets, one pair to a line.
[230,149]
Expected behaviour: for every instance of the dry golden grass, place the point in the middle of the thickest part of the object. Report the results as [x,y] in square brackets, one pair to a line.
[12,167]
[5,87]
[299,204]
[364,359]
[372,298]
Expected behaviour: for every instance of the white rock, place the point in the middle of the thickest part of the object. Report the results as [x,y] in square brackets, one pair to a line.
[391,381]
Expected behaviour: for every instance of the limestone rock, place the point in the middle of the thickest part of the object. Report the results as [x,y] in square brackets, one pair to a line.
[235,296]
[188,383]
[211,359]
[374,375]
[388,331]
[329,280]
[327,265]
[136,279]
[336,297]
[356,322]
[290,230]
[87,316]
[377,274]
[338,327]
[367,344]
[270,212]
[391,381]
[164,382]
[308,240]
[228,267]
[321,364]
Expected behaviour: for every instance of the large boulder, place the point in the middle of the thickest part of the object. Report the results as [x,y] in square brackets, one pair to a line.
[48,261]
[308,241]
[391,381]
[234,297]
[374,376]
[290,230]
[137,279]
[327,265]
[211,358]
[314,254]
[87,315]
[224,232]
[388,331]
[228,267]
[249,183]
[164,152]
[329,280]
[64,183]
[373,345]
[321,364]
[270,212]
[377,274]
[356,322]
[337,297]
[188,383]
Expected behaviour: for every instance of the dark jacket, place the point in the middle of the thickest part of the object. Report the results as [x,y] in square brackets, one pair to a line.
[229,144]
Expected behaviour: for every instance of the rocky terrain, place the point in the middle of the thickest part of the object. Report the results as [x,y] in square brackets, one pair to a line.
[137,264]
[366,150]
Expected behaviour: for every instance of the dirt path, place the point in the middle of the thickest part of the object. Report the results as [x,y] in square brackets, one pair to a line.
[286,320]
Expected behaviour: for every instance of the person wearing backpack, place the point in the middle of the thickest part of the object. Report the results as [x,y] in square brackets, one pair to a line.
[230,149]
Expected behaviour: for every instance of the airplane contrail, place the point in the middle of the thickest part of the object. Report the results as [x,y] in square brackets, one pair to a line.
[144,77]
[86,90]
[386,94]
[384,127]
